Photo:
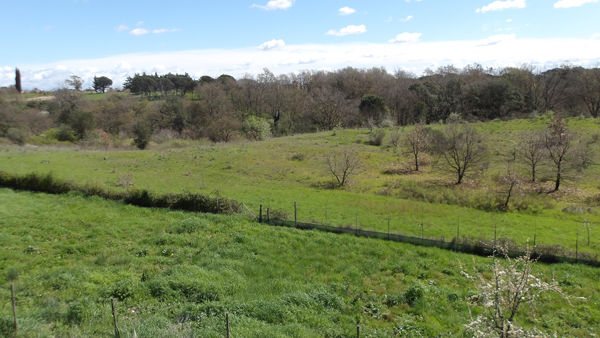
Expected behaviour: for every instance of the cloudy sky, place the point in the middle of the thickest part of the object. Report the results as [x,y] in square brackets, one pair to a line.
[52,39]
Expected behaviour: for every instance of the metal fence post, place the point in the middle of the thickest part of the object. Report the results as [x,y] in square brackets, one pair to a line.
[14,308]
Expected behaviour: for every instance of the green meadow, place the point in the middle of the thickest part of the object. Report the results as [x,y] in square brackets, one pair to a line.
[278,172]
[176,274]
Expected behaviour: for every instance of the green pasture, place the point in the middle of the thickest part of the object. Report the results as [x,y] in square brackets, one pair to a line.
[175,274]
[269,173]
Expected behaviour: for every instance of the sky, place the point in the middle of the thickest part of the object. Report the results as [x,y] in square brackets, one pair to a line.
[49,40]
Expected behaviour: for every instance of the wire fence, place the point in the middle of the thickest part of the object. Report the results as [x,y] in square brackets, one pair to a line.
[541,253]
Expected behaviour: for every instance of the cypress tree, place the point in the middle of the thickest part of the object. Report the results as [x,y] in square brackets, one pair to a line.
[18,80]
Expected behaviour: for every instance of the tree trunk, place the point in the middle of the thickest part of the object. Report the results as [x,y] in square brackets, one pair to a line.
[416,162]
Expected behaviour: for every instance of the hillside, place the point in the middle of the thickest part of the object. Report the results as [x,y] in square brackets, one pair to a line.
[280,171]
[177,273]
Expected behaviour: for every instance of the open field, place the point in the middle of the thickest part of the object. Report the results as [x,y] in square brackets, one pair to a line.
[177,273]
[278,172]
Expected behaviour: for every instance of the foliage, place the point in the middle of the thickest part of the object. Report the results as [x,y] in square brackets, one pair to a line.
[15,136]
[142,133]
[257,128]
[376,137]
[101,83]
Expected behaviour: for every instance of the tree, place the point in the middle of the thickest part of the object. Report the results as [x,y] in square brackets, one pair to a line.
[343,165]
[18,81]
[531,151]
[559,141]
[76,82]
[511,286]
[462,148]
[372,108]
[82,123]
[142,133]
[417,140]
[511,181]
[101,83]
[328,108]
[224,129]
[588,226]
[588,90]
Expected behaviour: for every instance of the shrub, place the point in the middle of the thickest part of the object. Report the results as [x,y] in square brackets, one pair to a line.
[257,128]
[298,157]
[12,274]
[65,133]
[376,137]
[279,215]
[122,290]
[15,136]
[414,293]
[142,133]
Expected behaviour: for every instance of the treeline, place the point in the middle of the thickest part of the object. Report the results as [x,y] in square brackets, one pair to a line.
[256,107]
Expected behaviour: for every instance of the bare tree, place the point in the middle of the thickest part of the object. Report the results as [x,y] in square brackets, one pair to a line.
[559,142]
[328,107]
[511,286]
[417,140]
[588,226]
[511,181]
[531,151]
[343,165]
[462,147]
[588,90]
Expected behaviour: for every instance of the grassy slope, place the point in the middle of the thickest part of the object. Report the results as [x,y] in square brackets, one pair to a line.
[264,173]
[276,282]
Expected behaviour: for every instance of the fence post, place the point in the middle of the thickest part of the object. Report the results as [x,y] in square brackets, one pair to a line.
[112,303]
[577,249]
[269,215]
[227,320]
[356,226]
[421,233]
[14,308]
[388,228]
[358,331]
[295,214]
[260,215]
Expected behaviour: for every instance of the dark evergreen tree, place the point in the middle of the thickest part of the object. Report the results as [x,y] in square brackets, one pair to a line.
[18,80]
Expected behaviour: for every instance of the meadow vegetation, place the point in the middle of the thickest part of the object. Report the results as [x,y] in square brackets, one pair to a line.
[176,273]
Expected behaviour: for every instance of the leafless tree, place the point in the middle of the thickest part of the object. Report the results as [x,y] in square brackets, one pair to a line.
[75,81]
[588,90]
[559,142]
[462,148]
[532,151]
[343,165]
[328,107]
[417,140]
[511,181]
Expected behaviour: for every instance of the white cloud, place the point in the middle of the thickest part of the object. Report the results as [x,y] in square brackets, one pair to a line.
[572,3]
[412,57]
[272,44]
[509,20]
[347,11]
[406,38]
[406,19]
[500,5]
[275,4]
[496,39]
[7,68]
[596,36]
[164,30]
[348,30]
[139,23]
[139,31]
[122,27]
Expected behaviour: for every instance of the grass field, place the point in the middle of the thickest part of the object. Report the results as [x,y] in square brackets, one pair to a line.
[175,274]
[266,173]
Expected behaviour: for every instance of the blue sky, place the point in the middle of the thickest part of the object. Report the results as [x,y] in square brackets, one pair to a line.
[51,39]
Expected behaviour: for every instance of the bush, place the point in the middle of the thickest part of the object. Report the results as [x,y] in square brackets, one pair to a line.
[257,128]
[65,133]
[15,136]
[376,137]
[279,215]
[142,133]
[414,293]
[122,290]
[12,274]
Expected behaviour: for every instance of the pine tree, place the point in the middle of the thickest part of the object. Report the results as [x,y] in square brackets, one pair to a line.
[18,80]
